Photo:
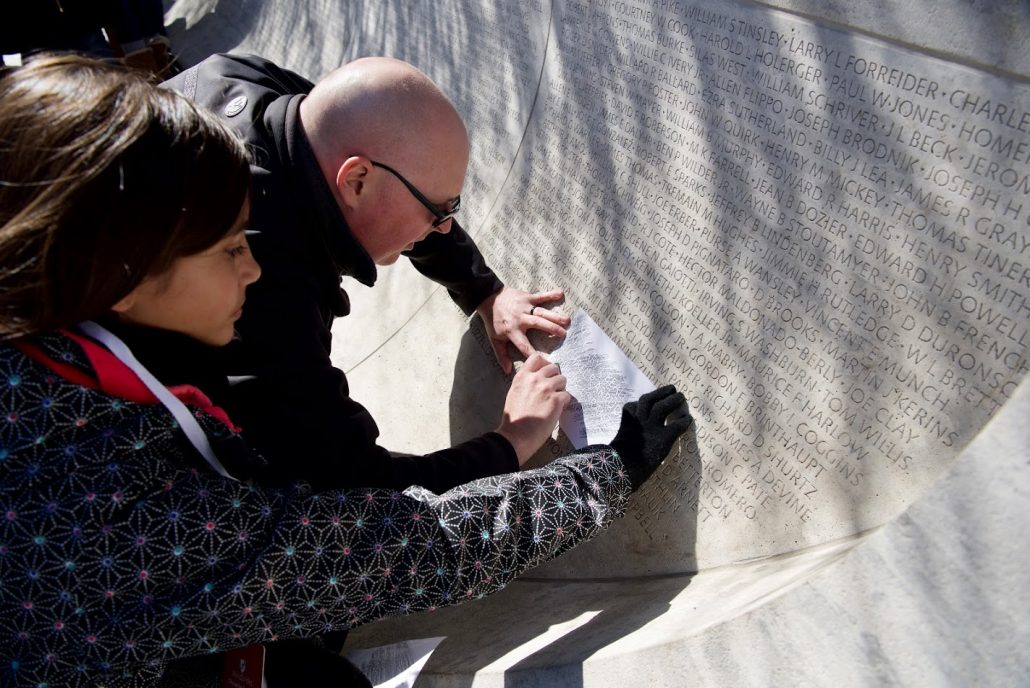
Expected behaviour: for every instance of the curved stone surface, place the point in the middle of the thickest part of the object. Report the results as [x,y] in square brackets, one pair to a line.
[819,226]
[938,597]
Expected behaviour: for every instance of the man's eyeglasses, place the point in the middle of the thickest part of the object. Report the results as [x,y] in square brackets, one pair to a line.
[440,215]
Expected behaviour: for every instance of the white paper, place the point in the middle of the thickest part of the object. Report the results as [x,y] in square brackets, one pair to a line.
[396,665]
[601,379]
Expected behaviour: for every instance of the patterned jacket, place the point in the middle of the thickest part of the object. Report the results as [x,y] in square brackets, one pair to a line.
[120,549]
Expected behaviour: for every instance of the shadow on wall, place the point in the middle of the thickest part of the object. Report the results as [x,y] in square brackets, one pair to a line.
[553,618]
[604,223]
[307,38]
[221,27]
[313,38]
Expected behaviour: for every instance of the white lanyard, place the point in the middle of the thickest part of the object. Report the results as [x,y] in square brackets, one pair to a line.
[187,422]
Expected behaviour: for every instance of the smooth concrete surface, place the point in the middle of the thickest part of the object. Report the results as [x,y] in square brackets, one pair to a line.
[596,165]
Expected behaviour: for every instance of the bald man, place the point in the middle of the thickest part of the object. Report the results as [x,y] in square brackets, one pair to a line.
[350,173]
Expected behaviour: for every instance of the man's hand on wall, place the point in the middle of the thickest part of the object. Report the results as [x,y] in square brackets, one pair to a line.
[536,399]
[510,314]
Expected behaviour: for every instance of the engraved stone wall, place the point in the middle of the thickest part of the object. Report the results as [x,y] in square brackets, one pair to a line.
[820,236]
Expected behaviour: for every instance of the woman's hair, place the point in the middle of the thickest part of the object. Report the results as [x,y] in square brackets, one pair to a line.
[105,179]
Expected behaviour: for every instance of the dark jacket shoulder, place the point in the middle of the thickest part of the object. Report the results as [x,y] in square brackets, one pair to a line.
[220,79]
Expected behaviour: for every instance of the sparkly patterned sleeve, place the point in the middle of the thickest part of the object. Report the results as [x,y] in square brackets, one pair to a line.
[374,553]
[218,565]
[120,550]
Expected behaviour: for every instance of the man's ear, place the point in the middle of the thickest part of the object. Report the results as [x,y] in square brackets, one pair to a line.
[351,179]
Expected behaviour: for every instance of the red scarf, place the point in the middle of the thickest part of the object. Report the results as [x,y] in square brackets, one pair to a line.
[117,379]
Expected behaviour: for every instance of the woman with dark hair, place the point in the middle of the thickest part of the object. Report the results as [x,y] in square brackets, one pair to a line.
[134,527]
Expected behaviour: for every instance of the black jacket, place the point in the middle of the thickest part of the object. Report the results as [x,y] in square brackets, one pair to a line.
[294,402]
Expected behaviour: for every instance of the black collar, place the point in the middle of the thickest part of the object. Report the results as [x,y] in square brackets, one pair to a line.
[349,257]
[173,358]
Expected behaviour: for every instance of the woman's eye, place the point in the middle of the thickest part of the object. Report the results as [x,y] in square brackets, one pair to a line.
[236,251]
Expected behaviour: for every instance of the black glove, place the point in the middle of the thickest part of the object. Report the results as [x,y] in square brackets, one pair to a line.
[650,426]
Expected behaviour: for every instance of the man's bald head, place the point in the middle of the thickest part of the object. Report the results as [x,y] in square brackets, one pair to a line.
[382,108]
[386,110]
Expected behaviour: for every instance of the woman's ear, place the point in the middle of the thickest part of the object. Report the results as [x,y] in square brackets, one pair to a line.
[351,180]
[126,303]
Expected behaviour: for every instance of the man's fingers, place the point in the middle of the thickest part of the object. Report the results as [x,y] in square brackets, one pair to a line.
[535,362]
[549,374]
[536,302]
[548,316]
[552,370]
[520,342]
[500,347]
[546,296]
[546,321]
[564,399]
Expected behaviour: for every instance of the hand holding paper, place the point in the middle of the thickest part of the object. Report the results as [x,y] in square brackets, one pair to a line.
[601,380]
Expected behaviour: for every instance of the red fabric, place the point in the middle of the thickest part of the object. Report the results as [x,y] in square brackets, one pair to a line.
[69,373]
[188,394]
[117,379]
[113,376]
